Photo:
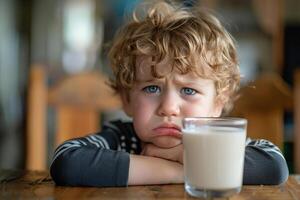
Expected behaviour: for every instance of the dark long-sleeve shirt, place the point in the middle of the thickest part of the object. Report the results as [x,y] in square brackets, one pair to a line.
[102,159]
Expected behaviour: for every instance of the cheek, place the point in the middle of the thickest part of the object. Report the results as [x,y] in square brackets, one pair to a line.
[142,107]
[200,108]
[142,112]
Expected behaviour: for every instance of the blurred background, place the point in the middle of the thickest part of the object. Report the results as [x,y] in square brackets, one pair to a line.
[54,70]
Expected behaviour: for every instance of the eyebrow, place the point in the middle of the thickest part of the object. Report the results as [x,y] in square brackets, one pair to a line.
[147,80]
[189,82]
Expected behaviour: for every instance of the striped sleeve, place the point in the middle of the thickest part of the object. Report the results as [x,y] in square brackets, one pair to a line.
[264,163]
[90,161]
[95,141]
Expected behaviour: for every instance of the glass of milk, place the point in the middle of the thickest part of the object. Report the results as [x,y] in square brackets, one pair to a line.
[214,151]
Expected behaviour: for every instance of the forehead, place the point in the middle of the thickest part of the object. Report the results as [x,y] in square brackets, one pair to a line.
[145,63]
[145,66]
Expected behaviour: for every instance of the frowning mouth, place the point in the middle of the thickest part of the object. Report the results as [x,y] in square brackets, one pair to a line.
[168,130]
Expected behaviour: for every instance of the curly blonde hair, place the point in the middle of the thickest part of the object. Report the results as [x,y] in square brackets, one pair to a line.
[184,36]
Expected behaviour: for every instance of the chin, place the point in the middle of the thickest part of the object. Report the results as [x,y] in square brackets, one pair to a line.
[166,141]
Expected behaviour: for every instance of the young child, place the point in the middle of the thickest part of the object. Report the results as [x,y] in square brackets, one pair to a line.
[172,63]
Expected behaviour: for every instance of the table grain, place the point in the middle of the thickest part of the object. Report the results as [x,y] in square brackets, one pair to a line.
[39,185]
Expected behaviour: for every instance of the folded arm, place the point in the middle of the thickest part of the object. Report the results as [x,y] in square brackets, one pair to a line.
[146,170]
[89,161]
[264,164]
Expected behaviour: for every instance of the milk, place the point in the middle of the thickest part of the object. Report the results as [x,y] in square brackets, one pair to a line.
[214,157]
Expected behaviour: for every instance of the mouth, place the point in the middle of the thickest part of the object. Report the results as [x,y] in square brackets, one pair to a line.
[168,130]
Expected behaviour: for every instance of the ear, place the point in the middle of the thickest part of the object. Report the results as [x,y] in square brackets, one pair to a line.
[127,107]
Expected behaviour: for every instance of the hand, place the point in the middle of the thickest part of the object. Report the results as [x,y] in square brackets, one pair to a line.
[173,154]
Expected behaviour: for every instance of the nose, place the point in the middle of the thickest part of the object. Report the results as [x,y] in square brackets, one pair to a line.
[169,105]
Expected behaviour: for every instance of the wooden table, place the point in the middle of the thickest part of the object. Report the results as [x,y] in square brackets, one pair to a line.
[38,185]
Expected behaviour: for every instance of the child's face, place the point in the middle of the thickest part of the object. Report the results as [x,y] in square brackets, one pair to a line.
[157,106]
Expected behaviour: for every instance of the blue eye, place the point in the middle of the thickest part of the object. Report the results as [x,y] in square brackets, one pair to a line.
[188,91]
[151,89]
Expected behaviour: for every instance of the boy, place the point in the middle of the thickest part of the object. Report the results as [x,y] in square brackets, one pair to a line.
[170,64]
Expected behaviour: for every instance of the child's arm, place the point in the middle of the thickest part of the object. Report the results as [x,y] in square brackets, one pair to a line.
[88,161]
[145,170]
[81,162]
[264,164]
[100,160]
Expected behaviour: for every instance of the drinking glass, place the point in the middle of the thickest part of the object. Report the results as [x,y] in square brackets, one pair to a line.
[214,151]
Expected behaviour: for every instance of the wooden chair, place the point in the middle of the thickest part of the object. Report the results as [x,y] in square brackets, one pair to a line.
[263,103]
[297,120]
[77,100]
